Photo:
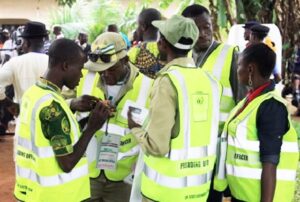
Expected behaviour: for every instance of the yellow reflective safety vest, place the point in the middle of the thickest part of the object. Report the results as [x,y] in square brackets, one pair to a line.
[219,64]
[38,175]
[129,148]
[242,159]
[184,174]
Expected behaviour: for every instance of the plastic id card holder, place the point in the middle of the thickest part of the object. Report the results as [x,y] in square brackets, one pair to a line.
[109,149]
[200,106]
[139,113]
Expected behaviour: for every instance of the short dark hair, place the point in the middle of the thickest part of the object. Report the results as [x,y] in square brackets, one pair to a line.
[178,51]
[64,50]
[260,36]
[112,28]
[261,55]
[148,15]
[35,43]
[194,10]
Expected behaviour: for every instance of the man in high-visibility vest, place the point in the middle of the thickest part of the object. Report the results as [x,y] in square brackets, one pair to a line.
[113,151]
[221,60]
[180,138]
[50,146]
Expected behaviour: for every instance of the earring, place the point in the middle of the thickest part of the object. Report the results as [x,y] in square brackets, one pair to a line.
[250,81]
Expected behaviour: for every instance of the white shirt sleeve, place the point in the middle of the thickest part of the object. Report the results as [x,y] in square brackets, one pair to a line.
[8,44]
[6,77]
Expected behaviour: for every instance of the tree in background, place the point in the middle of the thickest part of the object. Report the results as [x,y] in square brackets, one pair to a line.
[95,15]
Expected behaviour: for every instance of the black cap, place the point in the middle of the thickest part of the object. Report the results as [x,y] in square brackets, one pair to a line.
[261,29]
[250,24]
[34,30]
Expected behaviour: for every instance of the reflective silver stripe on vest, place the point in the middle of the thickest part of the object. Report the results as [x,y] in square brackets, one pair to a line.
[218,66]
[42,152]
[87,89]
[186,114]
[132,152]
[220,163]
[114,129]
[177,182]
[88,83]
[241,141]
[52,180]
[227,92]
[215,115]
[255,173]
[144,91]
[223,116]
[196,152]
[91,150]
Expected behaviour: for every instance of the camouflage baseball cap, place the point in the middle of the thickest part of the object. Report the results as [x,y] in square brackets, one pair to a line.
[106,51]
[178,27]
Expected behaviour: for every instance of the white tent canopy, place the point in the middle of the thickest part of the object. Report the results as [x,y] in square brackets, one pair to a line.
[236,37]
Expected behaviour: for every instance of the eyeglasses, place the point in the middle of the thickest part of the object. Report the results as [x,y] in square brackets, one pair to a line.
[94,57]
[106,54]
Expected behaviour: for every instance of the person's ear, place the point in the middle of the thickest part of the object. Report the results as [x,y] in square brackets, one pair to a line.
[125,60]
[65,66]
[144,27]
[163,44]
[250,68]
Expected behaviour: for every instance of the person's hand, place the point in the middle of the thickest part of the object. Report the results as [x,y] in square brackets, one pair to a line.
[112,109]
[83,103]
[131,122]
[98,116]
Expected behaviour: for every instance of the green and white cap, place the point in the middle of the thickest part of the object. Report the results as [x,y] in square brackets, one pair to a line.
[178,27]
[107,50]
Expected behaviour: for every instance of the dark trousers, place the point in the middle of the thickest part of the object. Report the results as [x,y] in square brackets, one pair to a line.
[216,196]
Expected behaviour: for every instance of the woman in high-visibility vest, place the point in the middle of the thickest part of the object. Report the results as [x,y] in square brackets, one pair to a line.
[261,154]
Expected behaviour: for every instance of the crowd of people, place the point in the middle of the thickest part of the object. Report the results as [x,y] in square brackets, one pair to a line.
[173,116]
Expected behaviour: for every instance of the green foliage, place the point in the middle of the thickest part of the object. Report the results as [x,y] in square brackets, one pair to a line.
[102,13]
[164,4]
[222,18]
[66,2]
[69,18]
[89,16]
[241,17]
[128,21]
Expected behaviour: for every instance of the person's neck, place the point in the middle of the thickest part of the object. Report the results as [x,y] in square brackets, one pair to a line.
[201,50]
[35,50]
[53,76]
[149,36]
[172,56]
[259,82]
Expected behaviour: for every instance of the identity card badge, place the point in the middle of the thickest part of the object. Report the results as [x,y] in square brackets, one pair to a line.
[138,112]
[109,149]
